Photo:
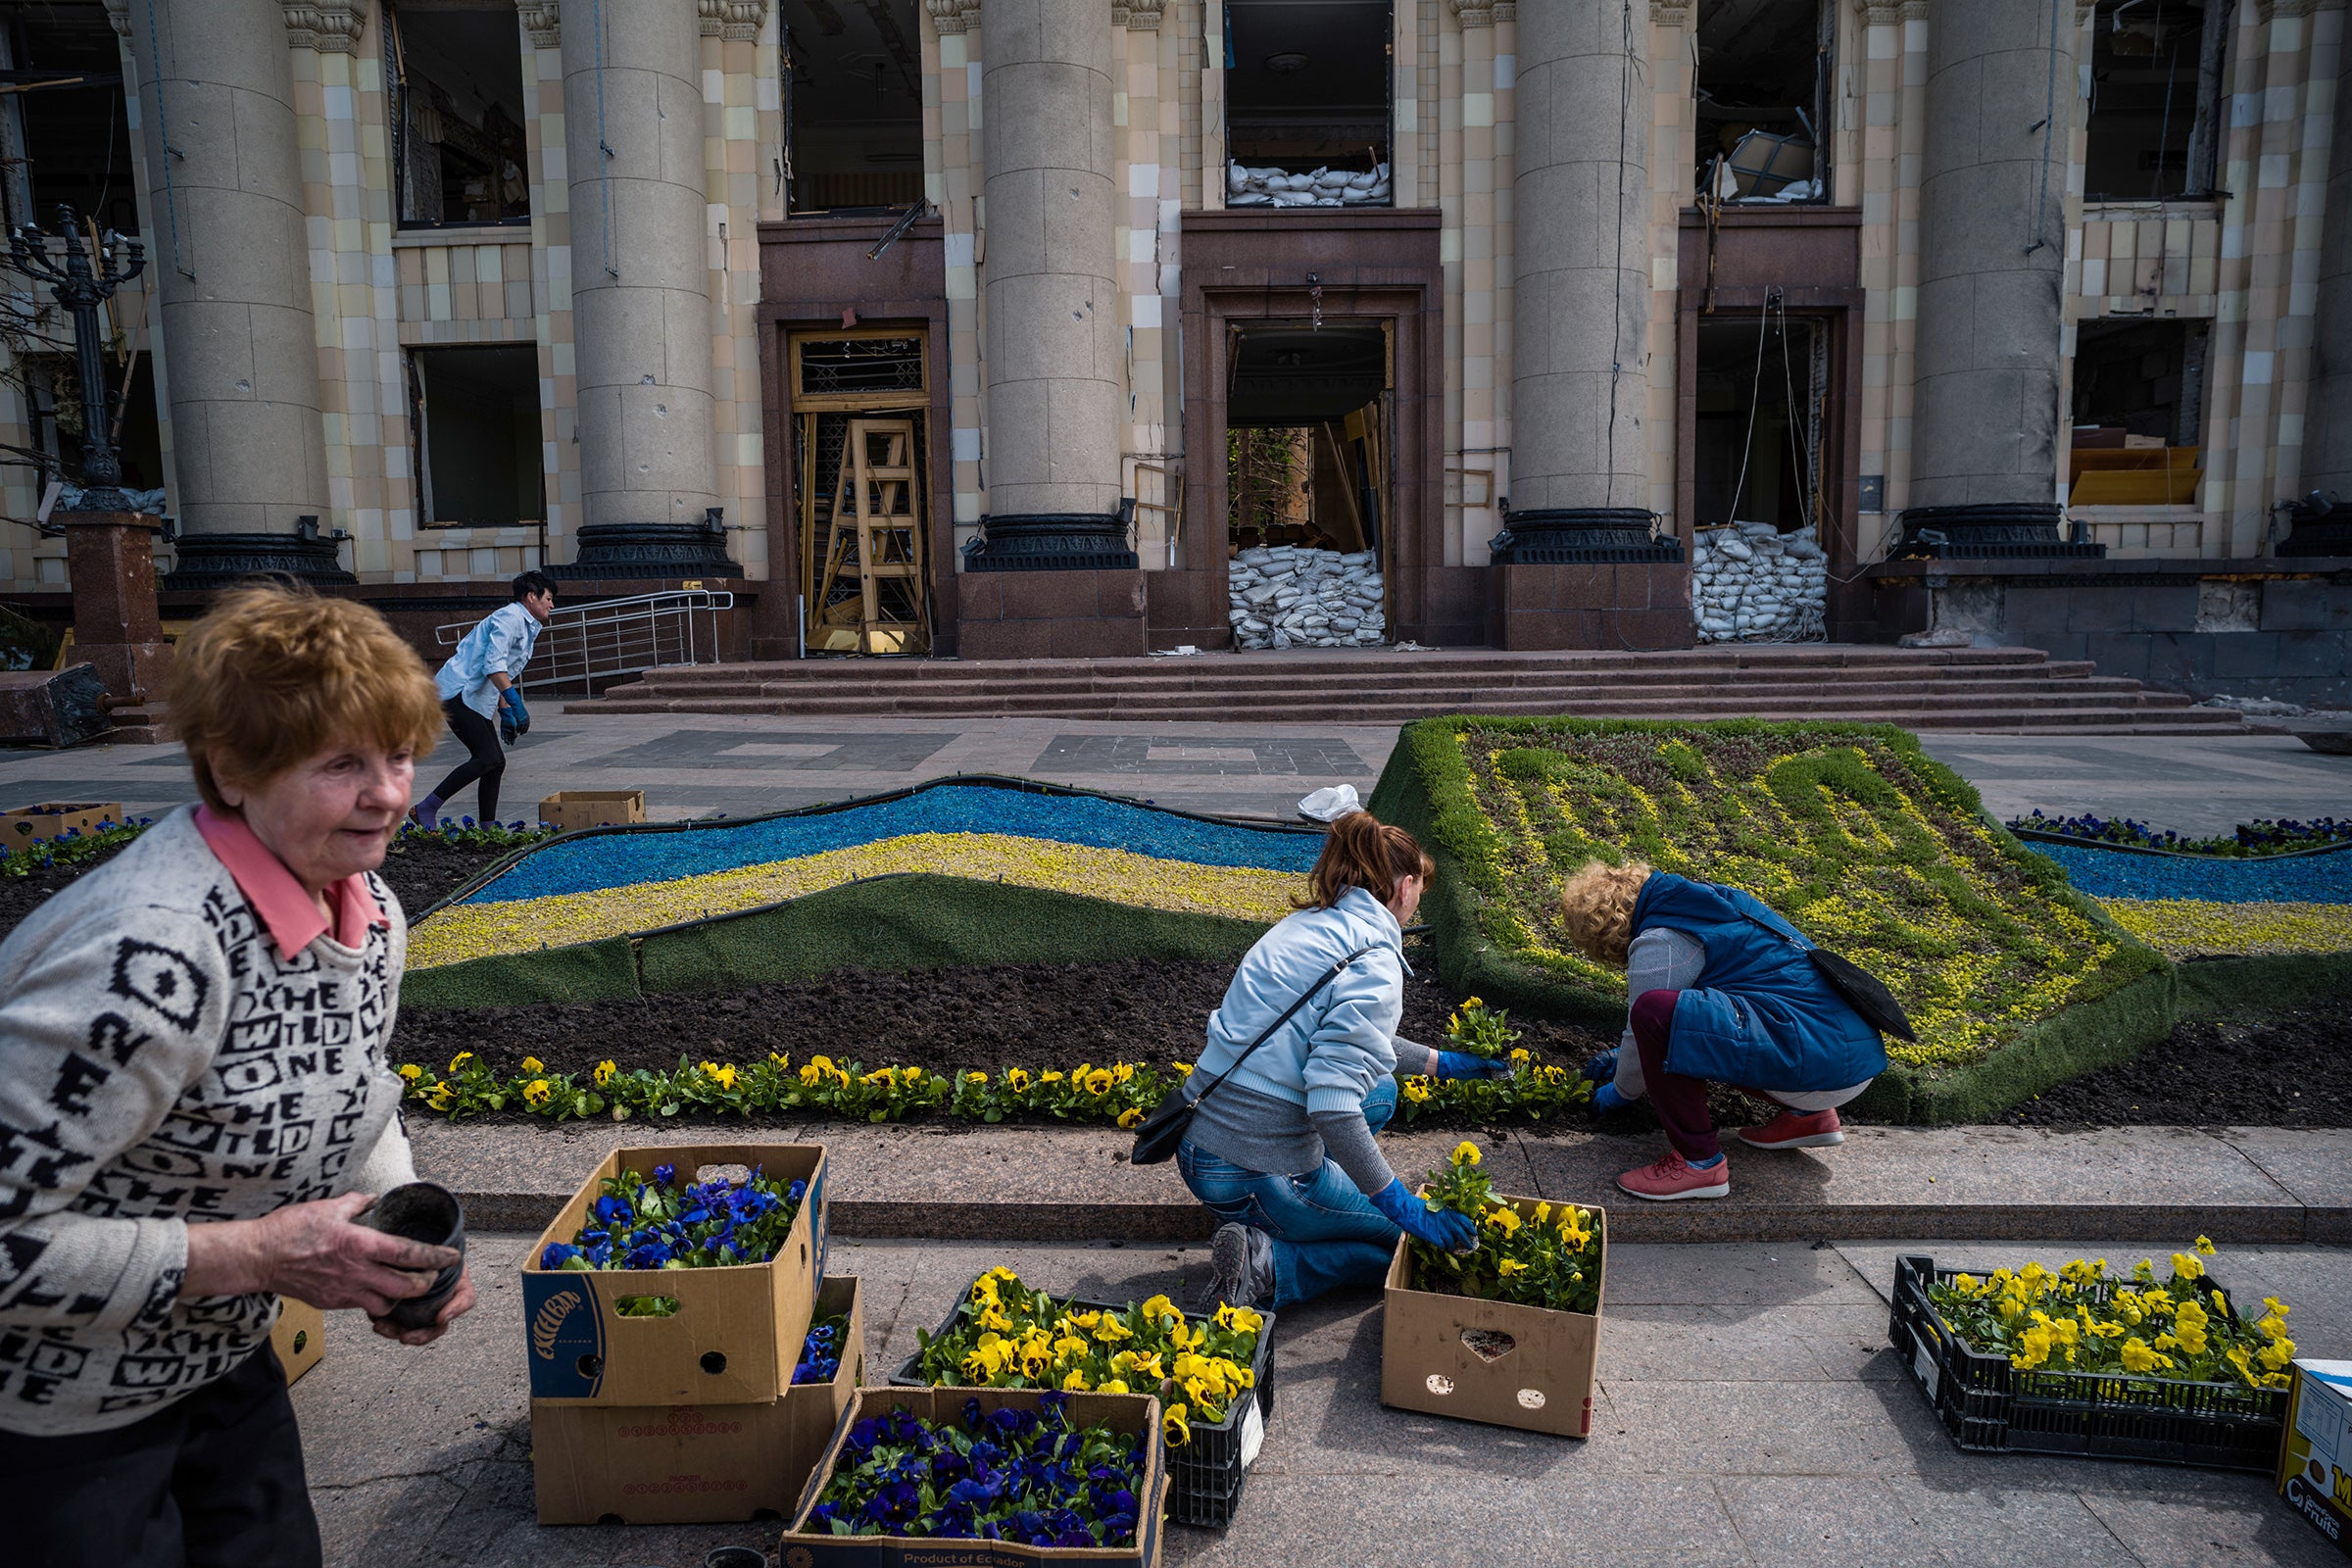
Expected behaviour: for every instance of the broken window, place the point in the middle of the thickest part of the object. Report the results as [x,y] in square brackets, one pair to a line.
[1308,90]
[2155,91]
[50,385]
[1763,89]
[458,152]
[2139,392]
[853,106]
[475,411]
[1762,383]
[64,137]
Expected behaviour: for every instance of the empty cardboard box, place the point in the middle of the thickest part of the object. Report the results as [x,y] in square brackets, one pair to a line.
[300,1338]
[694,1463]
[1541,1380]
[736,1335]
[566,810]
[1138,1414]
[2315,1463]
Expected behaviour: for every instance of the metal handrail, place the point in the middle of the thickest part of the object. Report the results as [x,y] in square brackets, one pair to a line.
[607,638]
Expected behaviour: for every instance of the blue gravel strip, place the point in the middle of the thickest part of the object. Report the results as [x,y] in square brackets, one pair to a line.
[2120,874]
[623,859]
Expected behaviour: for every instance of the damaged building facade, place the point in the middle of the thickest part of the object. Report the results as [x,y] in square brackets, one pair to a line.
[1047,327]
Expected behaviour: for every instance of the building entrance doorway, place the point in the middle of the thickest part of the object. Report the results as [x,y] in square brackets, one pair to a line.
[1309,501]
[860,407]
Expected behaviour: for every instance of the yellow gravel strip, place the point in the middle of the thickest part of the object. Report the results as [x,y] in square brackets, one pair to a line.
[524,925]
[2182,928]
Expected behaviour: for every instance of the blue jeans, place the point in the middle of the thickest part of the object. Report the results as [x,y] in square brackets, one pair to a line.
[1326,1233]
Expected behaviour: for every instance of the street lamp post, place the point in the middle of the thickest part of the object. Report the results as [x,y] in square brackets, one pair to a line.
[82,288]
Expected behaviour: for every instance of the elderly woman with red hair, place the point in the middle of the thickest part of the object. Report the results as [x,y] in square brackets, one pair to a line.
[195,1104]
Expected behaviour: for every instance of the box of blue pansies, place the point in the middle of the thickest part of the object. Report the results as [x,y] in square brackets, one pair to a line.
[984,1478]
[702,1463]
[680,1275]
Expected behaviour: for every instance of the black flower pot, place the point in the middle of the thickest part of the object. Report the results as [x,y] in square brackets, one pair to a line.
[428,1213]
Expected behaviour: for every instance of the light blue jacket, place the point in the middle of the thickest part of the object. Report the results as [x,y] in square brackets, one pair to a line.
[1337,1047]
[501,642]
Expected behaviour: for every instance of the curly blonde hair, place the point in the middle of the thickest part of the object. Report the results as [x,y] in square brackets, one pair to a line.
[1596,904]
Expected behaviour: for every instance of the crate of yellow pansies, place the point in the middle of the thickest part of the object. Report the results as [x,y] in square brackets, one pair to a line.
[2082,1362]
[1510,1333]
[1213,1373]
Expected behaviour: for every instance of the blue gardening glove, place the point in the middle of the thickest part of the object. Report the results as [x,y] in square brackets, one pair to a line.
[512,698]
[1606,1098]
[1603,1069]
[1462,1064]
[1447,1230]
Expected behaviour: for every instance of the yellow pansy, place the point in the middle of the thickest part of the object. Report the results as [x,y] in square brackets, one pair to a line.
[532,1067]
[1465,1154]
[459,1060]
[536,1092]
[412,1072]
[1174,1429]
[605,1072]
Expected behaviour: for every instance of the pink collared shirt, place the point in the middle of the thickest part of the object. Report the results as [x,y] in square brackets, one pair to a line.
[294,921]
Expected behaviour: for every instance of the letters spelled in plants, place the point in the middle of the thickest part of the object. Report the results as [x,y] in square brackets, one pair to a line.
[1023,1476]
[656,1222]
[820,1352]
[1007,1336]
[2080,1319]
[1548,1256]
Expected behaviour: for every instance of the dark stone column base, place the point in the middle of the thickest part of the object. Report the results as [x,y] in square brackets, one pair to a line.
[1613,607]
[631,551]
[1990,531]
[1052,541]
[1051,614]
[1581,535]
[209,561]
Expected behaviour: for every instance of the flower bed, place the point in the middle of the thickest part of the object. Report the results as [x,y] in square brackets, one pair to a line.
[2260,837]
[1040,1470]
[1860,839]
[2079,1362]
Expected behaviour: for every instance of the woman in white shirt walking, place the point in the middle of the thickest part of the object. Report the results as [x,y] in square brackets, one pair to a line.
[477,682]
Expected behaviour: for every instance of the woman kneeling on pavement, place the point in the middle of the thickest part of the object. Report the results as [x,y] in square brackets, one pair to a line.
[1720,989]
[1283,1151]
[195,1106]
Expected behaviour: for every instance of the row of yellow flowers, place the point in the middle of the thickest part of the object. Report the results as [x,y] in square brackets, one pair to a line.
[2188,928]
[479,930]
[1117,1092]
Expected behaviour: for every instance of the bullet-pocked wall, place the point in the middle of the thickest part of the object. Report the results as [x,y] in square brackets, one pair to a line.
[2160,206]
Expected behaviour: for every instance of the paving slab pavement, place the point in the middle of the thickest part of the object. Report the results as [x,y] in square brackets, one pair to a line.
[958,1181]
[702,764]
[1750,1413]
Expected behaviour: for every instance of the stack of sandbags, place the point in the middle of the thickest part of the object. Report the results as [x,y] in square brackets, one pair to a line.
[1749,582]
[1289,596]
[1271,186]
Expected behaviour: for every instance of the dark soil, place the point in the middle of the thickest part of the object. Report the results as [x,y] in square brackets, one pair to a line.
[421,871]
[1142,1010]
[2290,1070]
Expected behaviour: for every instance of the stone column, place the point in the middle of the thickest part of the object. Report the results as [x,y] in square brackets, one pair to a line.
[1575,564]
[2328,418]
[1578,388]
[1056,383]
[640,291]
[230,262]
[1991,270]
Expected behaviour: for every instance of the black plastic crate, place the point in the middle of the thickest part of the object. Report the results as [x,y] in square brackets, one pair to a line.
[1989,1406]
[1205,1474]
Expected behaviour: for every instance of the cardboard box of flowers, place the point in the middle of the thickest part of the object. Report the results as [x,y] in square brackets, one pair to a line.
[682,1275]
[920,1478]
[702,1463]
[1214,1372]
[2081,1362]
[1508,1334]
[2014,980]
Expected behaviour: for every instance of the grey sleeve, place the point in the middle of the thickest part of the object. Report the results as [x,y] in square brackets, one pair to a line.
[1415,1059]
[1348,1140]
[1660,958]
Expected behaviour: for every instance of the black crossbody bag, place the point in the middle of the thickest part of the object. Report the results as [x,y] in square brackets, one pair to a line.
[1861,990]
[1155,1140]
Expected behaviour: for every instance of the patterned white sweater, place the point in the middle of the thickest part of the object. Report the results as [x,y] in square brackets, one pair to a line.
[162,1065]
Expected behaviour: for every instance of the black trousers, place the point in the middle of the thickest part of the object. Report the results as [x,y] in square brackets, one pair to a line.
[485,758]
[213,1481]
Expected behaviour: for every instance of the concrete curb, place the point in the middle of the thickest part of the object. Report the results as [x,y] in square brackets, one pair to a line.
[959,1184]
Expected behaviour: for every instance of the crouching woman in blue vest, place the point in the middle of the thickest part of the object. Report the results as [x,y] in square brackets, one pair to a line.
[1719,987]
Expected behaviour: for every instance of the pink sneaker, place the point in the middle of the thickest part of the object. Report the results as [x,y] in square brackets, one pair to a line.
[1795,1129]
[1672,1177]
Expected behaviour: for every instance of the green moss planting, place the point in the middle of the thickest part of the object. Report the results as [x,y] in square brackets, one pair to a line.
[1864,842]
